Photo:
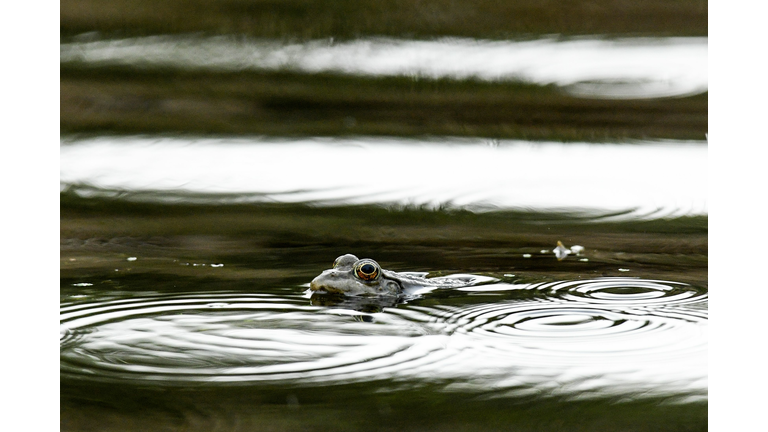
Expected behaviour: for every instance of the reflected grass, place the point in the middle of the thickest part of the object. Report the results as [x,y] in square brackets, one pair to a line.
[133,100]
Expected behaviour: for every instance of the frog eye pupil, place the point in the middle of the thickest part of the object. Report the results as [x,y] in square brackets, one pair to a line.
[367,271]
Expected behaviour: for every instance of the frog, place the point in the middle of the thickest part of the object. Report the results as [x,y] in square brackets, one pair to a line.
[351,276]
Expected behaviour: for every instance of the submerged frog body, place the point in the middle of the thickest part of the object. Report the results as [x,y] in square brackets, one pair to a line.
[365,277]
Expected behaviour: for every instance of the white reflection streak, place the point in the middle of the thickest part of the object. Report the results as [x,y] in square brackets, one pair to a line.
[551,348]
[650,178]
[620,68]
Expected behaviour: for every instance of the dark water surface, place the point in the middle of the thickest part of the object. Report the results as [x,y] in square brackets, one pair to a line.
[197,317]
[216,156]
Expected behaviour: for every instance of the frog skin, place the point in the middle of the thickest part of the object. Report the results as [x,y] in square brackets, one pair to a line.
[365,277]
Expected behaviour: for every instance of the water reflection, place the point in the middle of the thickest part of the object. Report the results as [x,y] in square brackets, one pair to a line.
[624,291]
[608,336]
[616,68]
[664,179]
[355,303]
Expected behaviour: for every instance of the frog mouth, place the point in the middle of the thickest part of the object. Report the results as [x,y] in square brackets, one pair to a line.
[324,288]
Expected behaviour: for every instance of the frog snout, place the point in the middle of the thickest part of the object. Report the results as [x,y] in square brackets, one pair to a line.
[323,282]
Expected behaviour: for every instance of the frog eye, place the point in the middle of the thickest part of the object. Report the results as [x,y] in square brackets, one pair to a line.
[367,269]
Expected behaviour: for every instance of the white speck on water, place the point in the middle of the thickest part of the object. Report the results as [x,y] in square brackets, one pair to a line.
[82,284]
[623,270]
[131,259]
[509,275]
[198,265]
[577,249]
[526,255]
[584,259]
[561,251]
[543,251]
[217,265]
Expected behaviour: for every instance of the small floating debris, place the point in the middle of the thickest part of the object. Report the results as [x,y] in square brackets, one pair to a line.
[577,249]
[131,259]
[217,265]
[526,255]
[623,270]
[82,284]
[561,251]
[584,259]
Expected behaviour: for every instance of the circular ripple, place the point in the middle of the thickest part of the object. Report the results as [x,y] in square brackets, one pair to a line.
[560,331]
[562,326]
[559,346]
[235,337]
[625,291]
[578,340]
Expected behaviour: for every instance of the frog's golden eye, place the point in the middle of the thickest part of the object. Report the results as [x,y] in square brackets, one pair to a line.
[367,269]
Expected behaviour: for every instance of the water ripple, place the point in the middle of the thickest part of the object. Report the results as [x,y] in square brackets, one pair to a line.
[602,336]
[226,337]
[525,175]
[625,291]
[616,68]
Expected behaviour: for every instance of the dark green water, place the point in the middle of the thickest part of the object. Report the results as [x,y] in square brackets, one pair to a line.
[216,185]
[192,317]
